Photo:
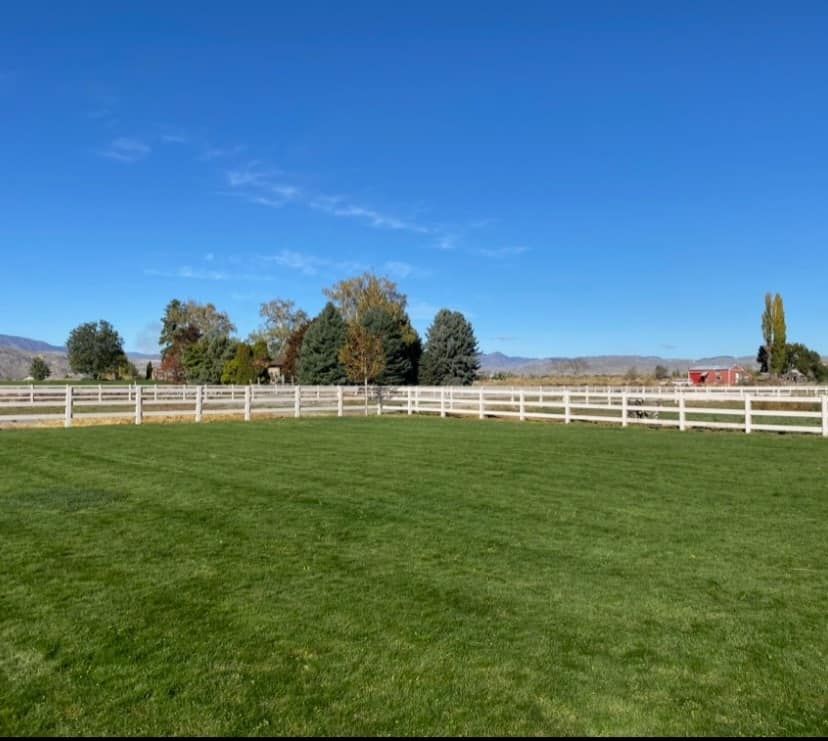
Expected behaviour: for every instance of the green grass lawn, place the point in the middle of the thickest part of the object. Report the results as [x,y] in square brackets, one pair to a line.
[412,576]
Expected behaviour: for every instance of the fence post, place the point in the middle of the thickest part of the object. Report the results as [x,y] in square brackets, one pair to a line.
[482,405]
[624,420]
[139,405]
[682,413]
[748,414]
[247,403]
[410,406]
[67,419]
[100,393]
[199,400]
[340,411]
[443,401]
[156,392]
[825,416]
[567,408]
[522,407]
[379,401]
[31,393]
[297,401]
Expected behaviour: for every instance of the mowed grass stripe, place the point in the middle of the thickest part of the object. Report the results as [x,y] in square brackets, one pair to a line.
[411,576]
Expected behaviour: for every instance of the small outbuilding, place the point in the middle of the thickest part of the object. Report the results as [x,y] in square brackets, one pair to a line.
[275,371]
[717,375]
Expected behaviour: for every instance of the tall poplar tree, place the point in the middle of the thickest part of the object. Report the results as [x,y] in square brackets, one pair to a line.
[772,354]
[780,345]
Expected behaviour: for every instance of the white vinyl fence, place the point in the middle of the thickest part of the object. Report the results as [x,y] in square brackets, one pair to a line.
[766,409]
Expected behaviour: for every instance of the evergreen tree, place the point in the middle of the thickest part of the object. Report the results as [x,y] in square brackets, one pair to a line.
[763,359]
[451,356]
[397,368]
[319,357]
[241,369]
[204,361]
[148,373]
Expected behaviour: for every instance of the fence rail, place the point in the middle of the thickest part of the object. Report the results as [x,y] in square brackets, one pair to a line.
[756,409]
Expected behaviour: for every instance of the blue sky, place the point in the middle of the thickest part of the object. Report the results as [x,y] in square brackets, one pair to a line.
[577,178]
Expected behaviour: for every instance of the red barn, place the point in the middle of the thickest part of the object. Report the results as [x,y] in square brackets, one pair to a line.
[717,375]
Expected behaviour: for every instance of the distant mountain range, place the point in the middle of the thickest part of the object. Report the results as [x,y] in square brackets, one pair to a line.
[600,365]
[27,345]
[16,355]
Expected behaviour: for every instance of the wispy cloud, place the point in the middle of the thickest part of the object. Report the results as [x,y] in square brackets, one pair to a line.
[339,206]
[188,272]
[401,270]
[175,138]
[501,252]
[126,150]
[265,187]
[308,264]
[212,153]
[251,175]
[446,242]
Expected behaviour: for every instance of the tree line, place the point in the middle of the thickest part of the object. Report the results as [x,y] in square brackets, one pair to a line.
[362,335]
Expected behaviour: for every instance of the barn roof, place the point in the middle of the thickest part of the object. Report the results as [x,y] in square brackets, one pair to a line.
[715,367]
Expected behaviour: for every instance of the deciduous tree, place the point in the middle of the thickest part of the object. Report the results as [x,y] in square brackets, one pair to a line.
[774,334]
[806,361]
[292,352]
[780,344]
[281,320]
[39,369]
[363,356]
[182,326]
[94,349]
[357,297]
